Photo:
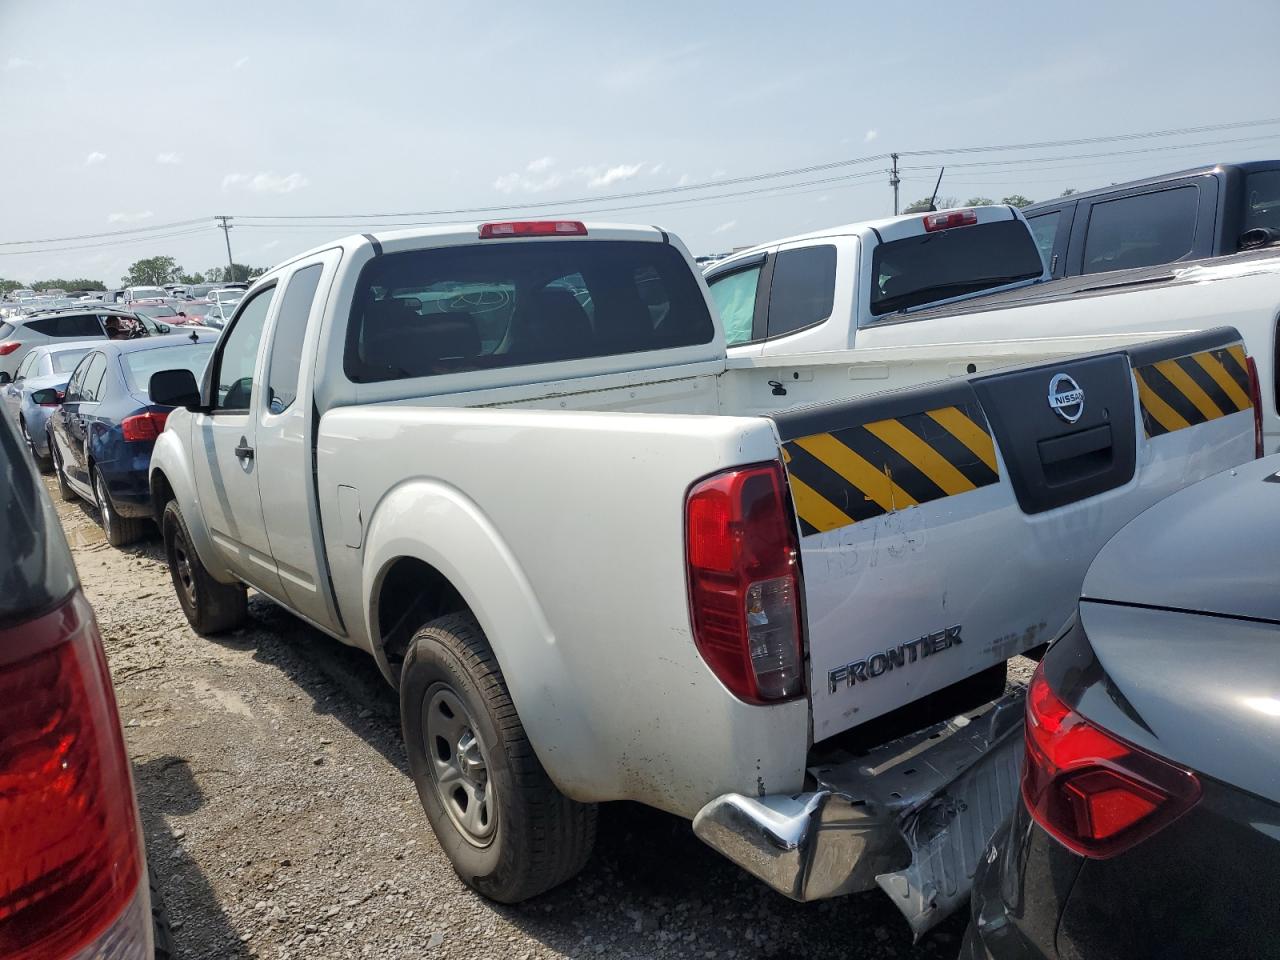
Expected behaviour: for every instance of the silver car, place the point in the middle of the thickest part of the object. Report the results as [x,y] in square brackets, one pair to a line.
[36,391]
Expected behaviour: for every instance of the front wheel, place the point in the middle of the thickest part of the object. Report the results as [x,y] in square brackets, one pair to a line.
[508,831]
[210,606]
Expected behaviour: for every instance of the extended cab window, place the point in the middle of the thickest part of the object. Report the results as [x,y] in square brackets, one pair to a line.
[735,297]
[950,263]
[1140,231]
[1261,200]
[484,306]
[803,289]
[286,341]
[233,385]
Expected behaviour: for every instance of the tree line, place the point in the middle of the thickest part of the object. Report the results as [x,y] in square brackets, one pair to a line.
[148,272]
[947,203]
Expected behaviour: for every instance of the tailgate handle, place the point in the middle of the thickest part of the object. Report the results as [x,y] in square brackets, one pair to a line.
[1077,455]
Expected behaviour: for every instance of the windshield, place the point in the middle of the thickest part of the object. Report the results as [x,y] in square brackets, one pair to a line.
[155,310]
[64,361]
[1262,200]
[950,263]
[478,307]
[139,365]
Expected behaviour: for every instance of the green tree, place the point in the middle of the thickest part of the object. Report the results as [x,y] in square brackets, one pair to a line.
[921,205]
[79,283]
[152,272]
[8,286]
[1068,192]
[979,202]
[239,272]
[192,278]
[1017,200]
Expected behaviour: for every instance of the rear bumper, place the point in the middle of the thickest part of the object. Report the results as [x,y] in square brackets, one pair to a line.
[128,484]
[913,817]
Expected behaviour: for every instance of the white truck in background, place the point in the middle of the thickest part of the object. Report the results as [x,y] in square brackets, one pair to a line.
[513,464]
[935,295]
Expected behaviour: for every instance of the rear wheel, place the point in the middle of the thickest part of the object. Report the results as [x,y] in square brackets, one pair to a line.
[65,493]
[508,831]
[210,606]
[119,530]
[42,462]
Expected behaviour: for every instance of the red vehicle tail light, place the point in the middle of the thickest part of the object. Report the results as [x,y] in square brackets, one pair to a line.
[144,426]
[744,582]
[8,348]
[533,228]
[1255,397]
[950,218]
[72,860]
[1096,794]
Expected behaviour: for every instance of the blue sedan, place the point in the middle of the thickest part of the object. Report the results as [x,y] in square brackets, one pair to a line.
[36,390]
[102,435]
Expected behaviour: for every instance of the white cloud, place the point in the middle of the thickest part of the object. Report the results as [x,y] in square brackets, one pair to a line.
[870,135]
[130,217]
[168,158]
[265,182]
[656,169]
[239,63]
[717,174]
[616,174]
[684,180]
[17,63]
[727,225]
[541,164]
[93,158]
[270,245]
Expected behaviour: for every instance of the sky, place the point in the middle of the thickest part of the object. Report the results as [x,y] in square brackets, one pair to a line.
[132,114]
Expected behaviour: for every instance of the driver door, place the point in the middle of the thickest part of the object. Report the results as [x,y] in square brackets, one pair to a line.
[224,443]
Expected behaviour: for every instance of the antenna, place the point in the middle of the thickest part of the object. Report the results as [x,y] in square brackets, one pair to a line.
[932,205]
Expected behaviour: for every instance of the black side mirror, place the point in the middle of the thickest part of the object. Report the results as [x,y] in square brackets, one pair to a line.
[1258,237]
[5,378]
[175,388]
[163,327]
[48,397]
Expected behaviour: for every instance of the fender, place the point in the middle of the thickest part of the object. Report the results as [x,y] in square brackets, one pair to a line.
[436,523]
[170,457]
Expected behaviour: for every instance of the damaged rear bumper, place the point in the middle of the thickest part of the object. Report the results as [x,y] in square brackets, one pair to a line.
[912,816]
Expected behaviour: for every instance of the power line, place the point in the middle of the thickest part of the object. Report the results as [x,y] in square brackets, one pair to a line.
[111,233]
[109,243]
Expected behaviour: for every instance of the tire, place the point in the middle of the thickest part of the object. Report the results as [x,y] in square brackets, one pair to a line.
[65,493]
[119,530]
[530,837]
[42,463]
[211,607]
[160,929]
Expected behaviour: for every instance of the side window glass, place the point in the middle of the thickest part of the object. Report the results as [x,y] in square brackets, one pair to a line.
[735,297]
[1044,229]
[803,290]
[91,387]
[77,378]
[234,383]
[286,340]
[25,368]
[1141,231]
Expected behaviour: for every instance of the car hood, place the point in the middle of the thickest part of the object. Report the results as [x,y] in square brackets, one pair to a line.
[1212,547]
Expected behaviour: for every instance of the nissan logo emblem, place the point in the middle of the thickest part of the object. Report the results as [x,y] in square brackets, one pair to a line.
[1066,399]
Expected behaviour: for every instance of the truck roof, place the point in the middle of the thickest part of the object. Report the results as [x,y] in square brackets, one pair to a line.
[1250,166]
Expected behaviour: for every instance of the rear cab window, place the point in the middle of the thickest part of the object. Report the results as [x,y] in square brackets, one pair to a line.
[1044,229]
[486,306]
[915,271]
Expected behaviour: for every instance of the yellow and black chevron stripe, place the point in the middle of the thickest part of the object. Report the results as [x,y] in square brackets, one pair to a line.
[1186,391]
[860,472]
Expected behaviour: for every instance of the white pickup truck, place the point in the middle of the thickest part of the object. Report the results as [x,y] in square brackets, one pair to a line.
[508,462]
[934,295]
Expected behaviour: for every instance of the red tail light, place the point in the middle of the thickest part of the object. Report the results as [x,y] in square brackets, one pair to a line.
[8,348]
[144,426]
[1098,795]
[1255,397]
[72,861]
[950,218]
[533,228]
[744,583]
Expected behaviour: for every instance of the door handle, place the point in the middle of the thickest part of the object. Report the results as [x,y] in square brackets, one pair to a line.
[244,451]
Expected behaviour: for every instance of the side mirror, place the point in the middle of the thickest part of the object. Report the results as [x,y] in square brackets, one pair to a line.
[5,378]
[48,397]
[163,327]
[175,388]
[1258,237]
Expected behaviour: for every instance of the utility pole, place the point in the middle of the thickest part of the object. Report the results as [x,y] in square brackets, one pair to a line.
[894,181]
[226,233]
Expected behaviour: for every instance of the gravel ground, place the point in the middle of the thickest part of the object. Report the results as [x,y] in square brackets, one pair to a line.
[281,820]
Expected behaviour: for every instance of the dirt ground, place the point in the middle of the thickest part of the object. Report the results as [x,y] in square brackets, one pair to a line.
[281,820]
